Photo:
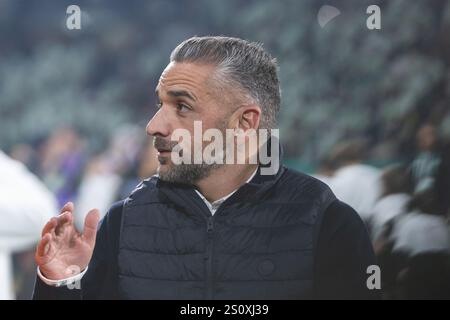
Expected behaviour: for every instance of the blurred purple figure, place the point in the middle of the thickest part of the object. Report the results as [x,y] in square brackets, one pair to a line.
[63,160]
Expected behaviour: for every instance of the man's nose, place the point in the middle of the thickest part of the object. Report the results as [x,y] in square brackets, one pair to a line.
[158,125]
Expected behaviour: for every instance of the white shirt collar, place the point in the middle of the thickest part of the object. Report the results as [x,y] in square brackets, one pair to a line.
[213,206]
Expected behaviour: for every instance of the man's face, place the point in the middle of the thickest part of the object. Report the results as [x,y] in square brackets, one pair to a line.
[185,94]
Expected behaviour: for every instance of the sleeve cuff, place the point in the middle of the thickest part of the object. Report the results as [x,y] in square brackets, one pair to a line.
[62,282]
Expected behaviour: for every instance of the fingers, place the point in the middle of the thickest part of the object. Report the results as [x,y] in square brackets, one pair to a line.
[63,220]
[53,222]
[67,207]
[57,224]
[90,226]
[43,245]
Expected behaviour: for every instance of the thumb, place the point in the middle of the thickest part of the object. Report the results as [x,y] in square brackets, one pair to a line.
[90,226]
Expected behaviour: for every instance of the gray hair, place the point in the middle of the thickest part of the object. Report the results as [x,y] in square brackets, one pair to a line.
[241,64]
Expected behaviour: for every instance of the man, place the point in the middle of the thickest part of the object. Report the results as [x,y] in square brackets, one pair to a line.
[211,230]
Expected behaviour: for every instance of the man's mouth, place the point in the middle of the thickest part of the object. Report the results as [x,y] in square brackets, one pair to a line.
[163,151]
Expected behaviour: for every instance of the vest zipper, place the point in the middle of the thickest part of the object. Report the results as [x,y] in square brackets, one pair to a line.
[209,258]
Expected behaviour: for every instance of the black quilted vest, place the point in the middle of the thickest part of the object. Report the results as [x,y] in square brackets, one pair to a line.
[260,243]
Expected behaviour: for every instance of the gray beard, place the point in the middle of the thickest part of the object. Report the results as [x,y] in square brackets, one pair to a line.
[192,173]
[188,173]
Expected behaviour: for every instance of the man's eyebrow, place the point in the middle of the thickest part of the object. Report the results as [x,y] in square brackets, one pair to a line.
[181,93]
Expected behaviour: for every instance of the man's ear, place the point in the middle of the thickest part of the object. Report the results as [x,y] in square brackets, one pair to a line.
[249,117]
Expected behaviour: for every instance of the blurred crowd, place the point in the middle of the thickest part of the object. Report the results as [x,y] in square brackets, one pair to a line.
[405,205]
[406,210]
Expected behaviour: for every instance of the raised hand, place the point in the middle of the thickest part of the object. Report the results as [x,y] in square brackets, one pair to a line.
[62,251]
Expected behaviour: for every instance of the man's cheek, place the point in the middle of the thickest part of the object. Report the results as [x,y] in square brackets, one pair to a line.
[181,153]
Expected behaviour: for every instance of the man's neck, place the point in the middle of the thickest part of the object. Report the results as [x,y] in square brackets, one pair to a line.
[225,180]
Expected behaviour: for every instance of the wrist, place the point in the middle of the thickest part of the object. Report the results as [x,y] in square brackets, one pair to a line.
[70,280]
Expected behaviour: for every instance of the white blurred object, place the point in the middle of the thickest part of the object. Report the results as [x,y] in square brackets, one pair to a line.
[386,209]
[359,186]
[25,206]
[97,190]
[418,232]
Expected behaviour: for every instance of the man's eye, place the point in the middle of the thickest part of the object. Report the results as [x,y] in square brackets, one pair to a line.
[182,107]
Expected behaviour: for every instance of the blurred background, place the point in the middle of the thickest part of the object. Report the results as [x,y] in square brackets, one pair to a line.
[366,111]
